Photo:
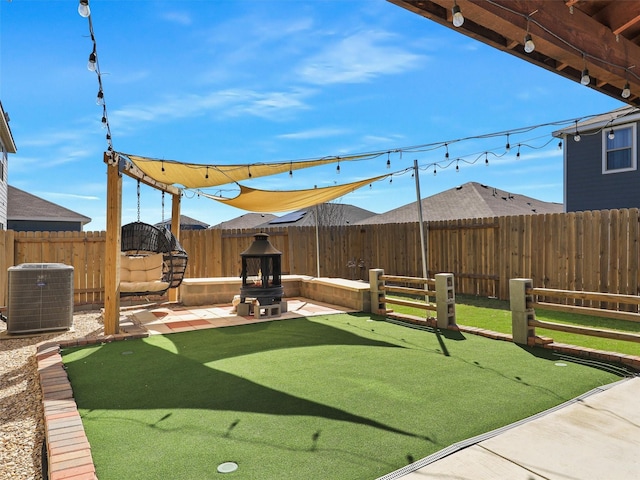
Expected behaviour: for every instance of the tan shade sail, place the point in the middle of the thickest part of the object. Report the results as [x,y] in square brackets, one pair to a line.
[194,175]
[254,200]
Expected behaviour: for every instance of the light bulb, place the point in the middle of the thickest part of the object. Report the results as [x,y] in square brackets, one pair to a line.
[458,19]
[576,137]
[626,91]
[585,79]
[100,98]
[83,8]
[91,64]
[104,122]
[611,135]
[559,145]
[529,46]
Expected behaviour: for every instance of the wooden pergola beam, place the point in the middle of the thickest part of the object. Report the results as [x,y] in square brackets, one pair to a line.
[128,168]
[116,166]
[111,318]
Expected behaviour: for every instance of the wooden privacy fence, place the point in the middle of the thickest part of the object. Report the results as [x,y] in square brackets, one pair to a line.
[593,251]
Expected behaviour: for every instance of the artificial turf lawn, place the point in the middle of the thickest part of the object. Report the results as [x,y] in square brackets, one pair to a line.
[331,397]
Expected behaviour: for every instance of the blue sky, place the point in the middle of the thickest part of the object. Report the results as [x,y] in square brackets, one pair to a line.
[233,81]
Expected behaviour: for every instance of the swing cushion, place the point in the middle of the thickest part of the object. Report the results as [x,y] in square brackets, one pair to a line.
[142,273]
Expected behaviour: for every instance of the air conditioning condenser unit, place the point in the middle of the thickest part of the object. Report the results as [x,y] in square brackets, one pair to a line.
[40,297]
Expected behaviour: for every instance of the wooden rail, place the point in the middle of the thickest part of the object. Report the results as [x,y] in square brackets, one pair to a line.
[594,332]
[587,296]
[524,322]
[441,288]
[409,291]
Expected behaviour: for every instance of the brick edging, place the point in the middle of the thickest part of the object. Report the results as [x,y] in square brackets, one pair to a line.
[632,361]
[68,449]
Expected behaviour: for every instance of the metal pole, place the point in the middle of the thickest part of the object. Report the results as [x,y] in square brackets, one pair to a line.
[423,242]
[317,245]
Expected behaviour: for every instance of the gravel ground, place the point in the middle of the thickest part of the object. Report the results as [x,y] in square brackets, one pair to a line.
[21,417]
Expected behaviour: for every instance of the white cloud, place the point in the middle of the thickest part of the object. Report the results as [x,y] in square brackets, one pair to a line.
[225,102]
[67,196]
[180,18]
[358,58]
[314,133]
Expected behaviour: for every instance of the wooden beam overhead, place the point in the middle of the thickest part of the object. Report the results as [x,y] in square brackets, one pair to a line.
[569,35]
[128,168]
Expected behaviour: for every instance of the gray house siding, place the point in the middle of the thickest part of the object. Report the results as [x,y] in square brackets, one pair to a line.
[587,187]
[43,226]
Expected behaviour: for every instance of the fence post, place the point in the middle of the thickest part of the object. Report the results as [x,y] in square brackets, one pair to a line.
[520,313]
[445,300]
[376,285]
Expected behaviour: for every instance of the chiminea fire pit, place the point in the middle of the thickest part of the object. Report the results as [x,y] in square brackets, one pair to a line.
[262,272]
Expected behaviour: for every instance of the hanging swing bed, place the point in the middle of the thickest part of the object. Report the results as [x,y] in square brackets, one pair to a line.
[152,260]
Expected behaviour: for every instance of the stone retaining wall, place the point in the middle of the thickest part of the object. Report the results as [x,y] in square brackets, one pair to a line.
[336,291]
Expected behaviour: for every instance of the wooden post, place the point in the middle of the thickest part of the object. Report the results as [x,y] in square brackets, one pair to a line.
[112,249]
[175,229]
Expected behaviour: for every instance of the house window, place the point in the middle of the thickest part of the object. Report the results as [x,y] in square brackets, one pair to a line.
[619,152]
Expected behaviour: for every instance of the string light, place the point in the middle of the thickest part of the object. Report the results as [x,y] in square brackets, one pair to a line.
[486,158]
[529,46]
[162,165]
[388,160]
[457,166]
[518,153]
[338,168]
[626,91]
[83,8]
[576,136]
[507,147]
[291,170]
[93,58]
[93,65]
[207,174]
[458,18]
[446,155]
[611,135]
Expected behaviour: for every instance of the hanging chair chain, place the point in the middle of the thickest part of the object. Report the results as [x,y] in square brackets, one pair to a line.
[138,200]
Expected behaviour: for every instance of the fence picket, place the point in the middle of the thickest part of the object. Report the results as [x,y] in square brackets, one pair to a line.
[592,251]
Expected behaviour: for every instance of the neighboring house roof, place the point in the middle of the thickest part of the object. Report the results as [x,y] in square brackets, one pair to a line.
[5,132]
[25,206]
[186,223]
[470,200]
[248,220]
[615,117]
[329,214]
